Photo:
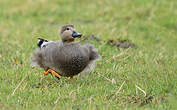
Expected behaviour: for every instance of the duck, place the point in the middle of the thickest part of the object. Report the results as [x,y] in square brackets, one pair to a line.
[65,57]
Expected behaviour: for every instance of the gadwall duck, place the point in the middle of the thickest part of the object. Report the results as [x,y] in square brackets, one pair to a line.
[65,57]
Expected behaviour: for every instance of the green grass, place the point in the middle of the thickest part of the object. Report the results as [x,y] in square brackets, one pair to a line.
[150,24]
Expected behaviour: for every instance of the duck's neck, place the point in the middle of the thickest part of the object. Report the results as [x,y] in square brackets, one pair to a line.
[68,41]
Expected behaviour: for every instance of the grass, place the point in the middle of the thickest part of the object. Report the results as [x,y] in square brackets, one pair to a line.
[115,83]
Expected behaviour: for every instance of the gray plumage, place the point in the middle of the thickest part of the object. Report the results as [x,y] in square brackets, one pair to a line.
[67,58]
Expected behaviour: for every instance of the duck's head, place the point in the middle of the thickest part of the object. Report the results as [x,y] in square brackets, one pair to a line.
[68,33]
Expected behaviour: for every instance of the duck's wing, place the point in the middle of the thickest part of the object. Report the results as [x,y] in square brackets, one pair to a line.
[42,57]
[44,44]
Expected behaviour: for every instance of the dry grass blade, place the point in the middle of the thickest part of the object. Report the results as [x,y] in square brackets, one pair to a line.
[112,81]
[141,90]
[18,86]
[120,88]
[59,96]
[118,55]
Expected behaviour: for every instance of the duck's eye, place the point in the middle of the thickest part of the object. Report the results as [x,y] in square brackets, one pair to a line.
[67,28]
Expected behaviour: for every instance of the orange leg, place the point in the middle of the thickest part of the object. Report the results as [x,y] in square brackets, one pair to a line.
[46,72]
[53,73]
[71,79]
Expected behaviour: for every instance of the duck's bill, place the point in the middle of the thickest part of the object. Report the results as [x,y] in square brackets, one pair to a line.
[76,34]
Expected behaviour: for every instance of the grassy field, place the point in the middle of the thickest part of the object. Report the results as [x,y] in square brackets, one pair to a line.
[144,77]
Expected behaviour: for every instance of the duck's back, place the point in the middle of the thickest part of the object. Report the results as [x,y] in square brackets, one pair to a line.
[66,59]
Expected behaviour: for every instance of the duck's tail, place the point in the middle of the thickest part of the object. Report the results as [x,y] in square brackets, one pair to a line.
[37,59]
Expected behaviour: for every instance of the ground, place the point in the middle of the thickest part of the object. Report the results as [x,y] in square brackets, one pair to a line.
[143,76]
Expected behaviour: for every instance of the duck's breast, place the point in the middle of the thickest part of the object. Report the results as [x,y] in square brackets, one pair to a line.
[70,59]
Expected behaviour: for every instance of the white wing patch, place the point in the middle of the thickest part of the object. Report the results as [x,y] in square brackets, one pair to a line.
[44,44]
